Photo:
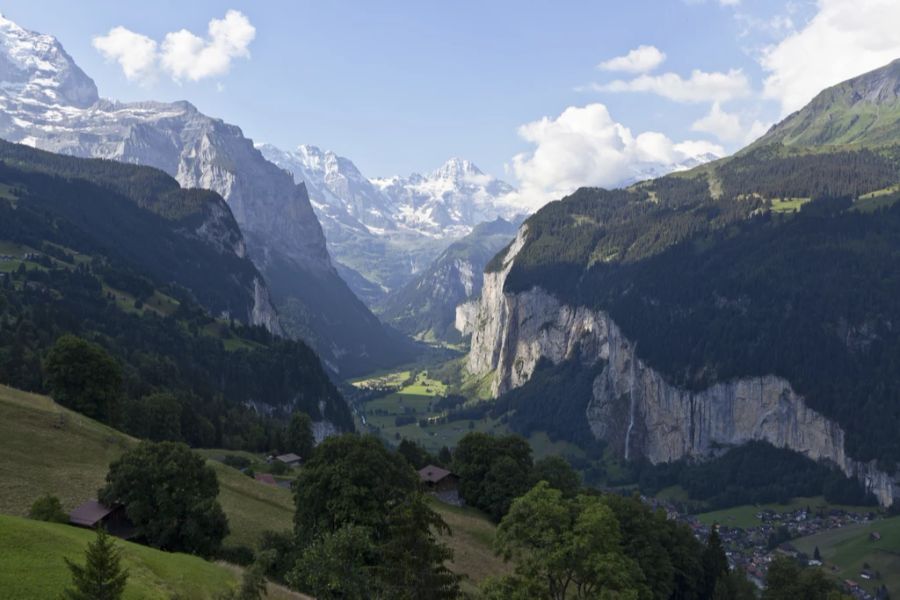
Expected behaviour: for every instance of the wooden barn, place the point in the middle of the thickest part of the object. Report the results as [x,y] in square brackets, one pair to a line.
[442,483]
[93,514]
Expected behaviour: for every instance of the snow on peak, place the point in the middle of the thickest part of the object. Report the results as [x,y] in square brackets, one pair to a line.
[457,169]
[34,67]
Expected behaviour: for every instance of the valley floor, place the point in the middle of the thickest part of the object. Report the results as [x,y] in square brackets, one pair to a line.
[407,408]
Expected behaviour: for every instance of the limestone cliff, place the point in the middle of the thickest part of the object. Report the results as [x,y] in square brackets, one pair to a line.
[633,407]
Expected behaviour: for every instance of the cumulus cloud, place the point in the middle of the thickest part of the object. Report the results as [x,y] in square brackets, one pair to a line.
[135,53]
[640,60]
[182,54]
[188,56]
[701,86]
[843,39]
[728,127]
[585,146]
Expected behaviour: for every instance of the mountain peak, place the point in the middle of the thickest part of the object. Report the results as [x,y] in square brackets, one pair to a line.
[456,169]
[862,111]
[35,67]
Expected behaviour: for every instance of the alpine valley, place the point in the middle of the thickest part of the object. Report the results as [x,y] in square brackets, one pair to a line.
[232,370]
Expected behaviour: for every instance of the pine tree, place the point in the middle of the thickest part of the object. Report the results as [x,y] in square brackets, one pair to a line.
[715,563]
[102,577]
[816,554]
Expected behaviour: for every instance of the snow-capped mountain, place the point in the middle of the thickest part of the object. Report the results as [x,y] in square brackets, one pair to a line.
[48,102]
[384,231]
[643,172]
[448,202]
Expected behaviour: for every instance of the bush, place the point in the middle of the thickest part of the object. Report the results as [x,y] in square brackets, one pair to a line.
[236,555]
[48,508]
[279,468]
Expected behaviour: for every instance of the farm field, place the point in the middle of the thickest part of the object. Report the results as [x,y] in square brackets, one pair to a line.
[788,205]
[745,515]
[846,551]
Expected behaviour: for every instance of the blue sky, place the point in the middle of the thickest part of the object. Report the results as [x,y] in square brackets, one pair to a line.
[401,86]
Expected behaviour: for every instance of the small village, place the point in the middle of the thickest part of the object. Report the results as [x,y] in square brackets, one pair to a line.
[753,548]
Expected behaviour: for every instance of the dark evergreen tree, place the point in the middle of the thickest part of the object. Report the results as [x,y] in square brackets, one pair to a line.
[102,576]
[715,563]
[299,435]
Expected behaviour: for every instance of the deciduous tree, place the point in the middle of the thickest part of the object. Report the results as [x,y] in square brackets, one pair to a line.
[170,494]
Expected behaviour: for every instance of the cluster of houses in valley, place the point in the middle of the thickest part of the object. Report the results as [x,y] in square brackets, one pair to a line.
[753,548]
[26,256]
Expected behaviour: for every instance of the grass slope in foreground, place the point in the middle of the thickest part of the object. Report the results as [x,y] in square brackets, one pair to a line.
[45,448]
[32,564]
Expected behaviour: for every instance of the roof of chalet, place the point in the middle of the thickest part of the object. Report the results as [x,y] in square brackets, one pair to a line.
[433,474]
[288,458]
[90,513]
[266,478]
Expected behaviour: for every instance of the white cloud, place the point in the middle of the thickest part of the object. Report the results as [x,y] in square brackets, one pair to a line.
[188,56]
[843,39]
[584,146]
[135,53]
[640,60]
[700,87]
[182,54]
[728,127]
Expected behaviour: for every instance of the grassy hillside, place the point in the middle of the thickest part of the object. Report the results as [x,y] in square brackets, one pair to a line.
[472,542]
[849,548]
[32,566]
[45,448]
[49,449]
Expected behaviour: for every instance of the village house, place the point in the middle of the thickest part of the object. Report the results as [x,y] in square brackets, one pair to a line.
[93,514]
[442,483]
[290,459]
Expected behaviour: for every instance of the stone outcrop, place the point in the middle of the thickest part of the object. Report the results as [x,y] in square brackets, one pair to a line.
[633,407]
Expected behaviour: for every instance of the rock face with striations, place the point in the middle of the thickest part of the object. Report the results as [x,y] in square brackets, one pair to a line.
[633,407]
[46,101]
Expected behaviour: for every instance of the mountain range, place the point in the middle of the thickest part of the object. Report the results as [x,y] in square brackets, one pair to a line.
[752,298]
[384,231]
[48,102]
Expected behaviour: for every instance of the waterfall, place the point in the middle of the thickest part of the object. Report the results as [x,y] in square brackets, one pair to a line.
[631,401]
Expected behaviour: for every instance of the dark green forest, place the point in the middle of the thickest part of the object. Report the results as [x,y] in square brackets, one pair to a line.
[228,384]
[718,288]
[136,216]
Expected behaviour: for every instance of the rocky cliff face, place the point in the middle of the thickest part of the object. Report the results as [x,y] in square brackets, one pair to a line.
[425,306]
[633,407]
